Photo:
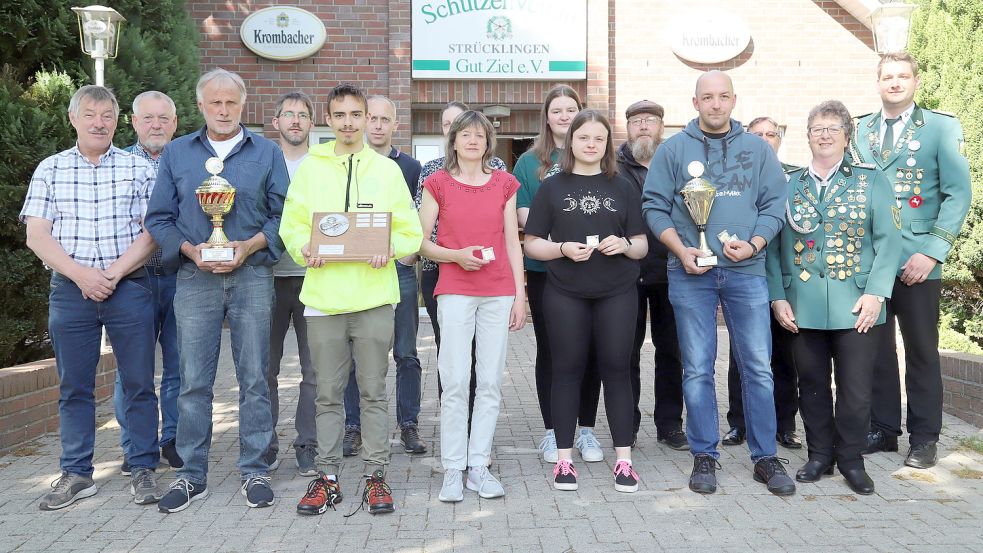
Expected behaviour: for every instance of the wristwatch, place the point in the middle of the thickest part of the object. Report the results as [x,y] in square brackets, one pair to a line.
[880,299]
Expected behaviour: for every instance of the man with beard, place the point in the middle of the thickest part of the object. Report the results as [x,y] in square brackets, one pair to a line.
[786,400]
[644,136]
[294,119]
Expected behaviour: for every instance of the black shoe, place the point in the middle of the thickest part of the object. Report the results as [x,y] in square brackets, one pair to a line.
[878,440]
[409,436]
[675,439]
[180,494]
[703,479]
[125,468]
[858,481]
[922,456]
[272,460]
[769,471]
[734,437]
[788,440]
[168,451]
[352,441]
[812,471]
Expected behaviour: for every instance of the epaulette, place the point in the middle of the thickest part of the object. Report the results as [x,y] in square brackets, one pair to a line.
[859,117]
[946,113]
[864,165]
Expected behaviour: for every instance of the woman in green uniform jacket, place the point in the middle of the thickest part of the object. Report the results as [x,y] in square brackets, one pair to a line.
[828,275]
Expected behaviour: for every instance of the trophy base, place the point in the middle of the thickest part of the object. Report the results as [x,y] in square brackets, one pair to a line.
[710,261]
[217,254]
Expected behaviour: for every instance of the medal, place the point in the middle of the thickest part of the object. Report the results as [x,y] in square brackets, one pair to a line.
[917,189]
[797,260]
[811,257]
[828,227]
[807,225]
[915,201]
[860,232]
[804,276]
[841,275]
[830,259]
[798,246]
[911,162]
[861,198]
[914,145]
[810,243]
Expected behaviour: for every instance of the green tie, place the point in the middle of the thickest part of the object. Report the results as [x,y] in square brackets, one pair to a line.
[888,145]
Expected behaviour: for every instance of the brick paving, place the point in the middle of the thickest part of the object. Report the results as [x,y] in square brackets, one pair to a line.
[935,510]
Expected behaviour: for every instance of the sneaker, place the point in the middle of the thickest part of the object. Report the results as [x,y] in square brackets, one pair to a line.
[590,448]
[409,436]
[675,439]
[272,460]
[305,460]
[548,446]
[565,476]
[144,487]
[452,490]
[377,494]
[168,452]
[321,494]
[125,469]
[703,479]
[181,493]
[625,477]
[483,482]
[67,489]
[258,491]
[352,442]
[769,471]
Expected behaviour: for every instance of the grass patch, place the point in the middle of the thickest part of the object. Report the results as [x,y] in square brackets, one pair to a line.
[973,443]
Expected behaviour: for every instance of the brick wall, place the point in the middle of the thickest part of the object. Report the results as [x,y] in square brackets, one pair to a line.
[29,398]
[962,385]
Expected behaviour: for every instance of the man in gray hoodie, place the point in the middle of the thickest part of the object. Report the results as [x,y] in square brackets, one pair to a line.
[749,206]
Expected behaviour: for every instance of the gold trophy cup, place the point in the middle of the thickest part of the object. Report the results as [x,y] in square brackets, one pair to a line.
[698,195]
[216,196]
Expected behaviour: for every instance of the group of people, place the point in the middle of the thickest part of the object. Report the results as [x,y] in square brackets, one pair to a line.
[810,267]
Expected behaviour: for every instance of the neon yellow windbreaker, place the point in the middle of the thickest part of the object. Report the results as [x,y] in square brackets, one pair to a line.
[319,185]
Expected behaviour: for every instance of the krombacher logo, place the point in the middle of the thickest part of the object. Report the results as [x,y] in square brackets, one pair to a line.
[283,37]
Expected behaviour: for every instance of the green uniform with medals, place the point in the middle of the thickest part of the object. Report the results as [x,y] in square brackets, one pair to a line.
[930,182]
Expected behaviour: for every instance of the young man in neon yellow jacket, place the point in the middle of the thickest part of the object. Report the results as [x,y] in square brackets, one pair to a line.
[349,306]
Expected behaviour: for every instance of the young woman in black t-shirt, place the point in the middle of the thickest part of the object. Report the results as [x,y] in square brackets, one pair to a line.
[590,299]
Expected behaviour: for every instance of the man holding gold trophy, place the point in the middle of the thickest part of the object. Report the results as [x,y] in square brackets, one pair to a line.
[715,196]
[216,214]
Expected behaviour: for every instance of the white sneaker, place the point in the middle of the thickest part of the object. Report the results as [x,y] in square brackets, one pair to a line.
[452,490]
[590,448]
[548,446]
[482,481]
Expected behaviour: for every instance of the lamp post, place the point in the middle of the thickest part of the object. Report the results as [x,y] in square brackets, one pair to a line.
[891,22]
[99,29]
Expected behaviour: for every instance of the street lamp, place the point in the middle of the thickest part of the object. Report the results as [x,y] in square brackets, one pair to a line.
[99,29]
[891,22]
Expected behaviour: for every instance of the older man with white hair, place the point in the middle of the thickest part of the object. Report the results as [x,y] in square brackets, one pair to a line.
[209,293]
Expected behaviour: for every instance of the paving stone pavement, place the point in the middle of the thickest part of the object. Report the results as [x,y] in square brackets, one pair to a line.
[935,510]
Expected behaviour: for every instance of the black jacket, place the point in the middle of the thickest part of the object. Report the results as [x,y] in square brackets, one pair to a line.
[654,262]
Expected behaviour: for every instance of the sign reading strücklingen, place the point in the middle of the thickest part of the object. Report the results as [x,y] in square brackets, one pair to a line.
[499,39]
[283,33]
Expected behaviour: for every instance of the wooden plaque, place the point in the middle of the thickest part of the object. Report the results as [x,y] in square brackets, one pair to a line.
[350,236]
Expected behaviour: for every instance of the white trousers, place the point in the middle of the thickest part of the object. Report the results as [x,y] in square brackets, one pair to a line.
[461,318]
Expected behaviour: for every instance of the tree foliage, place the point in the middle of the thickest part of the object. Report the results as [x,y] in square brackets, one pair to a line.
[947,41]
[43,65]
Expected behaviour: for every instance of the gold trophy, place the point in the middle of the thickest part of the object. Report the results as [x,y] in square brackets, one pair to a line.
[698,195]
[216,196]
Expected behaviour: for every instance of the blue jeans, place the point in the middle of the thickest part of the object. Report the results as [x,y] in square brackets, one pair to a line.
[75,325]
[202,302]
[408,372]
[744,299]
[165,329]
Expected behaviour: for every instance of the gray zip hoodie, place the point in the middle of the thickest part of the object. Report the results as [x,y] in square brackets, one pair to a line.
[751,191]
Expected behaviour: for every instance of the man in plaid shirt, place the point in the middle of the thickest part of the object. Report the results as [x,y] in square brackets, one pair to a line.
[84,215]
[155,120]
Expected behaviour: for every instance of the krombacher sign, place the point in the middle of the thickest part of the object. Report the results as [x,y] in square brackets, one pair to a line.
[499,39]
[708,36]
[283,33]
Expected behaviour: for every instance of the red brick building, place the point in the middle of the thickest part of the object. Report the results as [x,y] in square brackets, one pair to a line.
[798,53]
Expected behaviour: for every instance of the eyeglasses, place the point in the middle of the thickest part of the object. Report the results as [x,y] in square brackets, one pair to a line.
[302,115]
[637,122]
[769,134]
[833,130]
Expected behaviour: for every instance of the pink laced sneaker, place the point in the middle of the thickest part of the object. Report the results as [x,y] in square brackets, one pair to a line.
[625,477]
[564,475]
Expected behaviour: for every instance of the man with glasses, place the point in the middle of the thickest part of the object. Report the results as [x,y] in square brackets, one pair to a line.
[293,119]
[922,153]
[155,121]
[644,137]
[380,124]
[786,393]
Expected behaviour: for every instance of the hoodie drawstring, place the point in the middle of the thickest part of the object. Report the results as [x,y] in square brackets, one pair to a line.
[348,185]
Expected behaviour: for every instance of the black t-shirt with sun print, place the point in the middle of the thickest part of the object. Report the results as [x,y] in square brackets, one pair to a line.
[569,208]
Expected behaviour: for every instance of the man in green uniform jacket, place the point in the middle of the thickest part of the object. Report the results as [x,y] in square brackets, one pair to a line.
[921,152]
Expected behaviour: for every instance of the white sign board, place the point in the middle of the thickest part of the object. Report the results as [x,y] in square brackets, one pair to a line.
[283,33]
[500,39]
[709,36]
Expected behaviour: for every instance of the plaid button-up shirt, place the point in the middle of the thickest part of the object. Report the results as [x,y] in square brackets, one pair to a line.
[155,260]
[96,210]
